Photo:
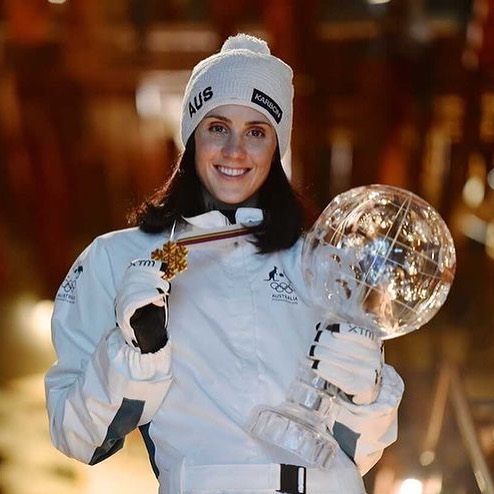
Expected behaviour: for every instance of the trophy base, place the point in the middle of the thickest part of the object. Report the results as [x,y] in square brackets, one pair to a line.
[296,432]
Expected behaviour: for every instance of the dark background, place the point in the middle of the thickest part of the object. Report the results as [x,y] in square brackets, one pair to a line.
[398,92]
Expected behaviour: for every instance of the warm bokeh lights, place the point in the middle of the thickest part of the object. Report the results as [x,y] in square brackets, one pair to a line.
[398,92]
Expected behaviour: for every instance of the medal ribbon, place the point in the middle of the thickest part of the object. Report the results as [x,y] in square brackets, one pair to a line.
[174,254]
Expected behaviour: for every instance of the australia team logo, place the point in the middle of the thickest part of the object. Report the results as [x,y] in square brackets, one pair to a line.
[281,286]
[66,291]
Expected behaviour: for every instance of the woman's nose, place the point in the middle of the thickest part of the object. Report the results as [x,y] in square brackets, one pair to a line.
[234,147]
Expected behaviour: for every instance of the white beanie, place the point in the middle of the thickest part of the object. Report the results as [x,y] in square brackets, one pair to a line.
[243,73]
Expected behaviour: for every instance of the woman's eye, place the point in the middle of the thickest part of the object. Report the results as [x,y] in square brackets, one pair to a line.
[256,133]
[217,128]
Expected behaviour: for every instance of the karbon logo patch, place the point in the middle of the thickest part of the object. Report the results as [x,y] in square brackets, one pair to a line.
[267,103]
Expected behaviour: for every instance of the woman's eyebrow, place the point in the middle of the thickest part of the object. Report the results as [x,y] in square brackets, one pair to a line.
[218,117]
[258,122]
[227,120]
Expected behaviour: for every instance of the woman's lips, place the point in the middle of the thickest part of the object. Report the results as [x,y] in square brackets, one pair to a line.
[231,172]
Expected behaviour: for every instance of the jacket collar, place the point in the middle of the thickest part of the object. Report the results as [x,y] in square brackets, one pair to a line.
[215,219]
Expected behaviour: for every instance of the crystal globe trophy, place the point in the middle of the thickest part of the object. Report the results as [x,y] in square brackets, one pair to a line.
[378,257]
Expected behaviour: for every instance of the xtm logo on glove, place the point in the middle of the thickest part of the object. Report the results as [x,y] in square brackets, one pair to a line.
[281,287]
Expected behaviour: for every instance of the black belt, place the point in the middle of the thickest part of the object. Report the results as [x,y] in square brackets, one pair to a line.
[292,479]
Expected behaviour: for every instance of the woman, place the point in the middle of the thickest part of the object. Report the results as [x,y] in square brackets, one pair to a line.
[188,364]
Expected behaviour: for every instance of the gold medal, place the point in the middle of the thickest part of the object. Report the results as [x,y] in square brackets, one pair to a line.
[174,255]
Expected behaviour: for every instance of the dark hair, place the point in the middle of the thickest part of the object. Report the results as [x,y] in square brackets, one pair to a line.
[285,211]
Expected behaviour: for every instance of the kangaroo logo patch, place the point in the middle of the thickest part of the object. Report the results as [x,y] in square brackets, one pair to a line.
[66,292]
[280,286]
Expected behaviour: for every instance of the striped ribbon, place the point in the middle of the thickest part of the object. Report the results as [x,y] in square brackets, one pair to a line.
[173,254]
[209,237]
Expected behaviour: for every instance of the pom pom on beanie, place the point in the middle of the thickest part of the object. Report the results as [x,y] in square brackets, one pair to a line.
[246,42]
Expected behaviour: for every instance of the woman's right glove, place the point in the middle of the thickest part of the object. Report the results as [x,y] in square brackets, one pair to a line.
[141,306]
[351,358]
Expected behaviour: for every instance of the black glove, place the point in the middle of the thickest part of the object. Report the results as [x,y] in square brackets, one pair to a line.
[141,306]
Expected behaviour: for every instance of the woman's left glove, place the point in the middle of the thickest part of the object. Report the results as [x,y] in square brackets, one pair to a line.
[141,306]
[351,358]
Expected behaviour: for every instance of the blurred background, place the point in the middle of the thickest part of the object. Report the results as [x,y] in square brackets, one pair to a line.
[391,91]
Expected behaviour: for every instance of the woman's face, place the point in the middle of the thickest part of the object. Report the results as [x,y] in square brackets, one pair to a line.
[234,148]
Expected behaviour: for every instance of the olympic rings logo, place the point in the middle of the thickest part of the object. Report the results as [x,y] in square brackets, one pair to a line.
[69,285]
[281,287]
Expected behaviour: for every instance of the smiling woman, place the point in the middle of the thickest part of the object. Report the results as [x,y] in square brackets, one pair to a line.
[187,365]
[235,127]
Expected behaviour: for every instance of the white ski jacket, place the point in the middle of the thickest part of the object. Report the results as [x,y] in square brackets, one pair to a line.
[240,325]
